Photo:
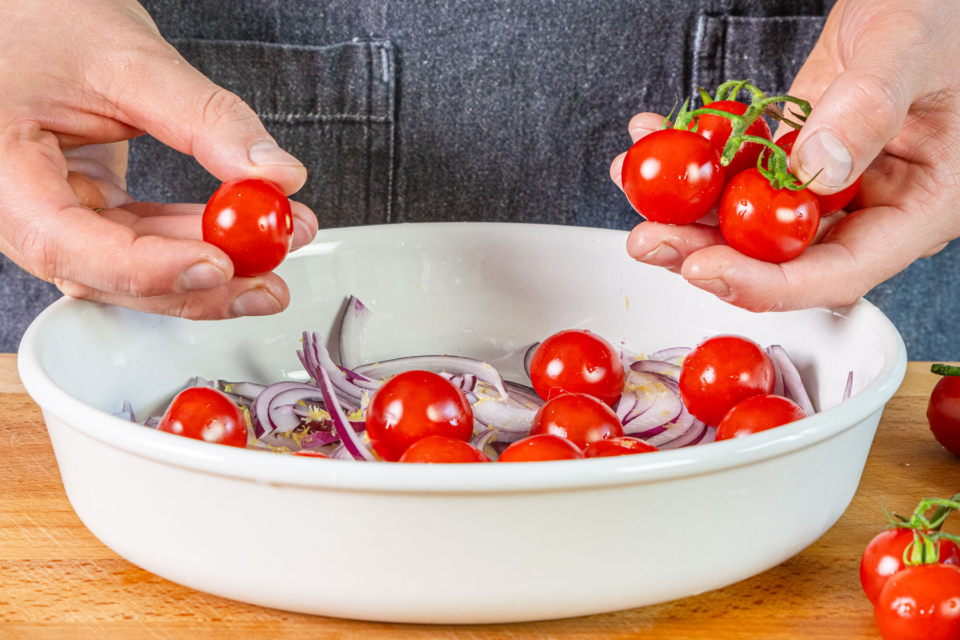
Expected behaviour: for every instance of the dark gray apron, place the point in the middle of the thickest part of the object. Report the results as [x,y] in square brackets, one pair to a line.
[477,110]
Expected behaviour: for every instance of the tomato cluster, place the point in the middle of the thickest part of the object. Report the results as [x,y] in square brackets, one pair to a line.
[677,176]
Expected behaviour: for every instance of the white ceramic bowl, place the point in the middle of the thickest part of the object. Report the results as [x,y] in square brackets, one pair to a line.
[457,543]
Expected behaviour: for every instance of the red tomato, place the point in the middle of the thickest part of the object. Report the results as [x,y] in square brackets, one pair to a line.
[672,176]
[920,603]
[625,446]
[540,449]
[442,449]
[722,371]
[307,453]
[205,414]
[756,414]
[828,204]
[577,361]
[579,418]
[250,220]
[883,557]
[943,413]
[773,225]
[413,405]
[717,130]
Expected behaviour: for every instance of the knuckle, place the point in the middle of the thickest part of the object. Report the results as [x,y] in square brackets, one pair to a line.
[39,253]
[219,105]
[880,103]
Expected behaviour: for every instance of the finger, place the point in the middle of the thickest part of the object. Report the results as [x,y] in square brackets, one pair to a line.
[86,191]
[95,169]
[265,295]
[179,106]
[616,167]
[104,161]
[666,245]
[863,249]
[644,124]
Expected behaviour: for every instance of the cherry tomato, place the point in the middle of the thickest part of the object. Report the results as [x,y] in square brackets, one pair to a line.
[250,220]
[883,557]
[308,453]
[577,361]
[624,446]
[921,602]
[717,130]
[672,176]
[442,449]
[756,414]
[413,405]
[541,448]
[943,413]
[579,418]
[205,414]
[773,225]
[828,204]
[722,371]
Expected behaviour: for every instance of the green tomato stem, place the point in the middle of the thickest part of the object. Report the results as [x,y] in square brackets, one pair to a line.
[945,370]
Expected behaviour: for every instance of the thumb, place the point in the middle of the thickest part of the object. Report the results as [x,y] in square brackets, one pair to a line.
[178,105]
[860,112]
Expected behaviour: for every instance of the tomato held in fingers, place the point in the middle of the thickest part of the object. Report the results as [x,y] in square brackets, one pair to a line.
[579,418]
[672,176]
[722,371]
[413,405]
[883,557]
[441,449]
[943,411]
[717,130]
[829,204]
[577,361]
[250,220]
[921,602]
[205,414]
[625,446]
[541,448]
[756,414]
[773,225]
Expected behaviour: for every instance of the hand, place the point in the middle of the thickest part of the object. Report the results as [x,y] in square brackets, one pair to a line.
[885,92]
[80,78]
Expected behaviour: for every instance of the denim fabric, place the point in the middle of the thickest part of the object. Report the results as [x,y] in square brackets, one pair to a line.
[486,109]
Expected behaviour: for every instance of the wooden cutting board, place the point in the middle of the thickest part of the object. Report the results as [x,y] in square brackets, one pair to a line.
[57,581]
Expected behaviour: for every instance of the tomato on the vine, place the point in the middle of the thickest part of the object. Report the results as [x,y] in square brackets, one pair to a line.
[577,361]
[579,418]
[943,413]
[828,204]
[921,602]
[717,130]
[722,371]
[205,414]
[441,449]
[250,220]
[773,225]
[541,448]
[672,176]
[756,414]
[883,558]
[625,446]
[413,405]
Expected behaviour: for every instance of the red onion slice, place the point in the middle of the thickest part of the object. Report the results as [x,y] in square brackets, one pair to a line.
[197,381]
[248,390]
[153,422]
[484,438]
[315,357]
[260,413]
[355,319]
[344,429]
[673,355]
[456,365]
[126,413]
[327,435]
[692,436]
[675,429]
[665,407]
[659,367]
[640,392]
[465,383]
[710,435]
[501,415]
[627,357]
[528,356]
[524,395]
[849,390]
[792,383]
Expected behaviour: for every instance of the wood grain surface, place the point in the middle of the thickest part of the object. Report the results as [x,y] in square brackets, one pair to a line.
[57,581]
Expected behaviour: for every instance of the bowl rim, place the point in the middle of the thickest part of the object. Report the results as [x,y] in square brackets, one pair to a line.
[256,466]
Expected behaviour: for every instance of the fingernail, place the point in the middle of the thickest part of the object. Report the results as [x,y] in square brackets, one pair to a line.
[301,234]
[202,275]
[255,302]
[662,256]
[639,132]
[266,152]
[716,286]
[826,153]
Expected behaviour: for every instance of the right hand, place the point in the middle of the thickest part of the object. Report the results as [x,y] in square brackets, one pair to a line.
[80,78]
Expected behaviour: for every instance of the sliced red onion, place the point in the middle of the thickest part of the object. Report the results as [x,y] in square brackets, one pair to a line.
[528,356]
[315,358]
[523,394]
[502,415]
[710,435]
[355,319]
[664,408]
[627,402]
[627,357]
[321,438]
[659,367]
[483,438]
[456,365]
[692,436]
[344,429]
[153,422]
[261,414]
[649,433]
[197,381]
[674,355]
[465,383]
[248,390]
[341,453]
[849,390]
[361,381]
[640,393]
[127,412]
[792,383]
[675,429]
